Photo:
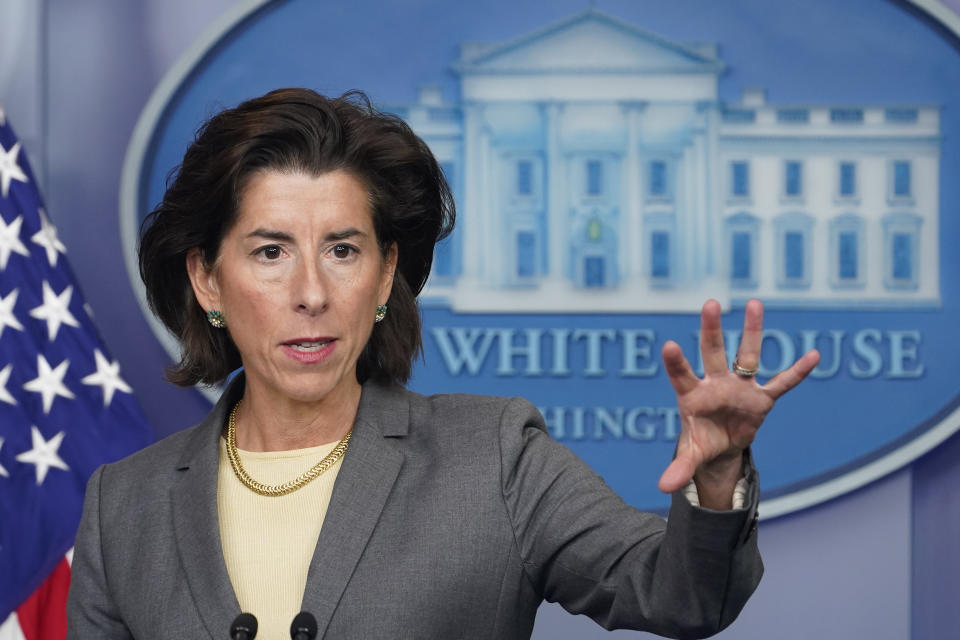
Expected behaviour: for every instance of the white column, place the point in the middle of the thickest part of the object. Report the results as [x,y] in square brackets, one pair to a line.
[714,181]
[490,261]
[699,205]
[632,245]
[470,219]
[557,223]
[686,213]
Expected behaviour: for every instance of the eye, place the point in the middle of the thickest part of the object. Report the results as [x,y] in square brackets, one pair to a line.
[270,252]
[343,251]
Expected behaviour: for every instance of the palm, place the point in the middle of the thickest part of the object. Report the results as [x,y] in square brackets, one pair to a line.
[722,412]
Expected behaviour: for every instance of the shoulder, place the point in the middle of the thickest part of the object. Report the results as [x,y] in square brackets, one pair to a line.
[505,427]
[474,411]
[479,405]
[161,454]
[154,467]
[464,422]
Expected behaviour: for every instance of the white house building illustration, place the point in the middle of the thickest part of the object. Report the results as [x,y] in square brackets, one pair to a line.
[595,169]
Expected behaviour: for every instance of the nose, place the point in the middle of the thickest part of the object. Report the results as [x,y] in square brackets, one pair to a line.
[310,288]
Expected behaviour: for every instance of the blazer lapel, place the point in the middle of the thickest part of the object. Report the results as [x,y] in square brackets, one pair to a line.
[196,522]
[366,478]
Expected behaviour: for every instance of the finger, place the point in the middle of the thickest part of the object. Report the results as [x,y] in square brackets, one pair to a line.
[677,475]
[679,371]
[711,339]
[789,378]
[748,355]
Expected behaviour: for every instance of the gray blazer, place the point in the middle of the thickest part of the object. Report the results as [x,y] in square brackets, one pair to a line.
[452,517]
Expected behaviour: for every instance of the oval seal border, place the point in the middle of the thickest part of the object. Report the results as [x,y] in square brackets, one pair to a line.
[908,448]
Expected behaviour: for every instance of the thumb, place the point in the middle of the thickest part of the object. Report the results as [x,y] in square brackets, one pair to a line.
[677,475]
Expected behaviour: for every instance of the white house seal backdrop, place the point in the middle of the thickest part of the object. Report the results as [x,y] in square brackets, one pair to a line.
[613,167]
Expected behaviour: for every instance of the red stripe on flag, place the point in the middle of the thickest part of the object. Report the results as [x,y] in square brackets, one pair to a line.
[43,616]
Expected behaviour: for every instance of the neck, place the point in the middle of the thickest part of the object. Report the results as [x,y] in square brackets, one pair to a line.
[268,423]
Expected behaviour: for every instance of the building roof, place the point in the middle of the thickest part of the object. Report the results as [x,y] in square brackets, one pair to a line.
[591,42]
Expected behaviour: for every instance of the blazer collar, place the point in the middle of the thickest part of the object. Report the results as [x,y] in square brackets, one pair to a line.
[366,477]
[364,482]
[385,409]
[196,522]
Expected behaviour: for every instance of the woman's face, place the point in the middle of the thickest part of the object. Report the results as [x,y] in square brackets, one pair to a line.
[299,278]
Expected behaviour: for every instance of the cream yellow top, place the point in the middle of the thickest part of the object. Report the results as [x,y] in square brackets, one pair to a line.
[268,542]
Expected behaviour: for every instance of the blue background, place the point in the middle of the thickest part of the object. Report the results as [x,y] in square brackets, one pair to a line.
[797,53]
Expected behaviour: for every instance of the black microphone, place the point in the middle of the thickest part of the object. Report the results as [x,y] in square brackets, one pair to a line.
[244,627]
[304,627]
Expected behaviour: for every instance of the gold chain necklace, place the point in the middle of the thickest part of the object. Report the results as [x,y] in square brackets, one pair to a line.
[273,491]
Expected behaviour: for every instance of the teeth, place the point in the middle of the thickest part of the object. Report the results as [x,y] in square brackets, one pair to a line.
[309,346]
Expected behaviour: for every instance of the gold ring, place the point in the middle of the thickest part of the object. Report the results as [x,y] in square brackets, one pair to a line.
[743,372]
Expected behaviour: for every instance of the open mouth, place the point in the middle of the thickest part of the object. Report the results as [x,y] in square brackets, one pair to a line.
[310,350]
[307,346]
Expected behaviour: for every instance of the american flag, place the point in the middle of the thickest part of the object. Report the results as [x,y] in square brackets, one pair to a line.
[64,408]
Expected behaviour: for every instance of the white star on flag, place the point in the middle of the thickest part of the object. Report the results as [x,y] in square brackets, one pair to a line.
[4,378]
[3,472]
[108,377]
[10,240]
[7,317]
[55,309]
[44,454]
[49,382]
[47,238]
[9,169]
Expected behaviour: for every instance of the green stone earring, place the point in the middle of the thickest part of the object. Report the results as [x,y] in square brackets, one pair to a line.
[217,319]
[381,312]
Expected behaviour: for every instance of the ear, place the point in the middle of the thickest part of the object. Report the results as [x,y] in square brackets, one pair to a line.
[388,269]
[203,280]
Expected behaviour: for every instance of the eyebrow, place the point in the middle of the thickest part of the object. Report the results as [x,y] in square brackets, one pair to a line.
[343,234]
[283,236]
[270,234]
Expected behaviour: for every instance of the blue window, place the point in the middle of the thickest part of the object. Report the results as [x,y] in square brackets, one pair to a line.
[658,178]
[660,254]
[901,232]
[848,179]
[901,116]
[847,263]
[846,239]
[524,178]
[793,255]
[846,115]
[901,179]
[794,178]
[742,230]
[739,116]
[526,254]
[593,271]
[902,256]
[740,256]
[594,177]
[793,115]
[740,179]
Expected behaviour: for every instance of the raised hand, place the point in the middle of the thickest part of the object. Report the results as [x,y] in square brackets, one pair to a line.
[721,412]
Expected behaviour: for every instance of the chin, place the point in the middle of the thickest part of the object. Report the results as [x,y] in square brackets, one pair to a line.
[313,388]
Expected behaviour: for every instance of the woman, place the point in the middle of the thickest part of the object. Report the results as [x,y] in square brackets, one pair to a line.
[293,243]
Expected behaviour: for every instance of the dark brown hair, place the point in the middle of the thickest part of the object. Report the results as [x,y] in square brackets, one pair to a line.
[296,130]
